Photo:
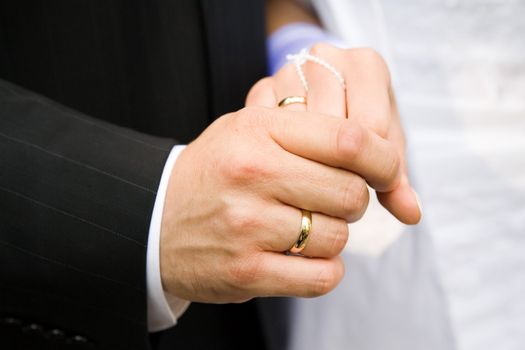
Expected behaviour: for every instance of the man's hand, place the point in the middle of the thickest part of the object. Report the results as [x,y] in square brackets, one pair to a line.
[233,200]
[367,101]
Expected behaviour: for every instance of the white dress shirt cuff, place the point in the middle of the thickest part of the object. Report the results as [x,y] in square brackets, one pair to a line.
[163,308]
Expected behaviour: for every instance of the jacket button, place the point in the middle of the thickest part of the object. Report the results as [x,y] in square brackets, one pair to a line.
[11,321]
[33,327]
[56,334]
[79,339]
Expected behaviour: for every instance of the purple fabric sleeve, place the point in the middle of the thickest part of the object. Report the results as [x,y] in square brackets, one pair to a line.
[291,39]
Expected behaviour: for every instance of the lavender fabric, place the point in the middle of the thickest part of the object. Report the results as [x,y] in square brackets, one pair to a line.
[291,39]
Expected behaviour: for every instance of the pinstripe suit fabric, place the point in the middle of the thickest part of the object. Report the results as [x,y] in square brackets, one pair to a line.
[93,95]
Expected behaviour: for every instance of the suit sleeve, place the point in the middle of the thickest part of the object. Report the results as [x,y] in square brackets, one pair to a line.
[76,197]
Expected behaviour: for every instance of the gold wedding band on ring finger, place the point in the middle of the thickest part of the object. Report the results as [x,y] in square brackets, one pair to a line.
[292,100]
[306,227]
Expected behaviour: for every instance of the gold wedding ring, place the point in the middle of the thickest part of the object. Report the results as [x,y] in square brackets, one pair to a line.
[306,216]
[291,100]
[306,227]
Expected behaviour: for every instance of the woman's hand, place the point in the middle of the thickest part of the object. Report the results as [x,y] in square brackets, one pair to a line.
[368,100]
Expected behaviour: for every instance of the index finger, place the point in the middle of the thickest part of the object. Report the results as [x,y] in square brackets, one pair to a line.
[338,143]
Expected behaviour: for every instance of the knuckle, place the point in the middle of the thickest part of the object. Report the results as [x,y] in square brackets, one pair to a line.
[240,220]
[246,272]
[319,49]
[262,84]
[363,197]
[258,91]
[391,170]
[371,121]
[375,118]
[325,282]
[250,162]
[355,200]
[377,126]
[340,237]
[370,57]
[286,73]
[349,141]
[246,168]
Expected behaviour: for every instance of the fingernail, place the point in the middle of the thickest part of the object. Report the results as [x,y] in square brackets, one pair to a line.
[418,201]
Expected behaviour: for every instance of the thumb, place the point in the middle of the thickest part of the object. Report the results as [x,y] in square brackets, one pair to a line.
[262,94]
[403,201]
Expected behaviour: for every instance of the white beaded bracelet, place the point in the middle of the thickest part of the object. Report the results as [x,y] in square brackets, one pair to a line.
[302,57]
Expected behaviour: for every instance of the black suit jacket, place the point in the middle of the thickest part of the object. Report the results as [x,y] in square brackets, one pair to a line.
[93,95]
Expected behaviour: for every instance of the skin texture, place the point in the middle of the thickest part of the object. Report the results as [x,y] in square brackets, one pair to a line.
[231,209]
[368,100]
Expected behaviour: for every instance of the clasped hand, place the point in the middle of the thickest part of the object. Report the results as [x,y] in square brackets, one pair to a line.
[235,193]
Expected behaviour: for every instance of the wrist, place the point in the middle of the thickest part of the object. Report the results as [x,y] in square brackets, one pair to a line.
[161,314]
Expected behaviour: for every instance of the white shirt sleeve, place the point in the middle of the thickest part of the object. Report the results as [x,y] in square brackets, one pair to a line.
[163,308]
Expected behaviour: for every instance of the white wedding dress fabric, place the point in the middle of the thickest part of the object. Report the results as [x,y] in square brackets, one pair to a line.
[456,281]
